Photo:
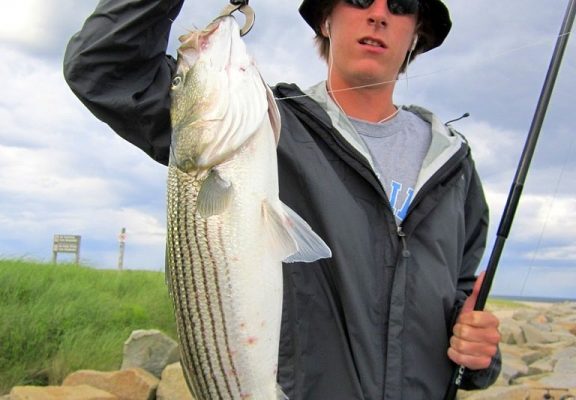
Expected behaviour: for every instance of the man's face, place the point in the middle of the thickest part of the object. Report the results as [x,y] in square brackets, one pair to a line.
[368,45]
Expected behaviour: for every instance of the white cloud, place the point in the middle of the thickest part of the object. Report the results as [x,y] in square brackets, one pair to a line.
[38,107]
[494,148]
[41,27]
[555,253]
[23,21]
[45,175]
[554,215]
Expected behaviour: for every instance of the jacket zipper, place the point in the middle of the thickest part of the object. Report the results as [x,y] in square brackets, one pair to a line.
[448,167]
[405,251]
[432,182]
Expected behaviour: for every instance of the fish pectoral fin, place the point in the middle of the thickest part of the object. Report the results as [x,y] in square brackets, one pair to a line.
[292,236]
[281,243]
[215,195]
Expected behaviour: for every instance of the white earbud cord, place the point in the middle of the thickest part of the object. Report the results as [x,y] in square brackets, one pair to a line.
[330,68]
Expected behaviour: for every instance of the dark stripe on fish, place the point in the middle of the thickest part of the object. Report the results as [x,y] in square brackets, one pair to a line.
[218,287]
[205,340]
[188,327]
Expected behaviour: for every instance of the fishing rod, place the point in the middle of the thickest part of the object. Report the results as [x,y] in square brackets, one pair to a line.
[519,179]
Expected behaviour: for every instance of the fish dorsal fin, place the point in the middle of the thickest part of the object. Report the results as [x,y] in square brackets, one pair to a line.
[291,237]
[215,195]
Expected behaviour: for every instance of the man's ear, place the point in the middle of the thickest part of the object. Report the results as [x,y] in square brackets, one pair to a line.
[325,29]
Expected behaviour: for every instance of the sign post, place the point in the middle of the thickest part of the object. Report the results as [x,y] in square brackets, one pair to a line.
[66,244]
[122,240]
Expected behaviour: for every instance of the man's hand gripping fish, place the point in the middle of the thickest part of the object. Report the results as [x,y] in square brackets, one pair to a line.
[228,232]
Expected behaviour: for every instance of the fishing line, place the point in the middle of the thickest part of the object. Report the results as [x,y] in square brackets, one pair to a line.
[547,219]
[182,27]
[439,71]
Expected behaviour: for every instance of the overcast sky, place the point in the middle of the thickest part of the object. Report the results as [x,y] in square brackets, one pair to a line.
[64,172]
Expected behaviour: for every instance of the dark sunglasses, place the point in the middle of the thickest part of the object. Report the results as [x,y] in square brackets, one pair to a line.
[396,7]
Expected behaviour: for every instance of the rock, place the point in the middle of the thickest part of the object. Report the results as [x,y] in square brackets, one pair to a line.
[513,368]
[173,384]
[531,356]
[556,381]
[511,332]
[566,337]
[82,392]
[551,348]
[542,366]
[150,350]
[130,384]
[550,393]
[540,334]
[563,375]
[559,380]
[569,327]
[525,315]
[523,361]
[531,381]
[566,364]
[563,310]
[542,319]
[500,393]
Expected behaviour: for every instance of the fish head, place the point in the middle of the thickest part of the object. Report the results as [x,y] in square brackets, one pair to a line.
[218,98]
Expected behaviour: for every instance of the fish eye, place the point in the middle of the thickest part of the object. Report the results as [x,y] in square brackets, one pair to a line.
[176,81]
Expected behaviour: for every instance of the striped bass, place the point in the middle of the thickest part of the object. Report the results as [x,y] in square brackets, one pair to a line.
[228,232]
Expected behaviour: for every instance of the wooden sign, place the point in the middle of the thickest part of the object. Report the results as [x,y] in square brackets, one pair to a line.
[66,244]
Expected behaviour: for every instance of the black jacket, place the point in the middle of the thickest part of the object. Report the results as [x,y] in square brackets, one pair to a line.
[342,337]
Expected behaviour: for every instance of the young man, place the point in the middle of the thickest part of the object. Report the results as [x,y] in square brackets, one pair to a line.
[391,190]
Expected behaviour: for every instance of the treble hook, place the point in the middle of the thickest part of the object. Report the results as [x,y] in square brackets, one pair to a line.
[244,8]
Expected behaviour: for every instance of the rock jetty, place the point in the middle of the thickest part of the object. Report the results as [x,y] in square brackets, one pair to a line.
[538,348]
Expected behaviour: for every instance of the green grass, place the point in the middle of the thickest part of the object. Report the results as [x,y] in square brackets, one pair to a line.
[56,319]
[501,304]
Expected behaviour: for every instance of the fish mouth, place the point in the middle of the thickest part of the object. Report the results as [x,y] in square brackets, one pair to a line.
[373,42]
[198,40]
[216,41]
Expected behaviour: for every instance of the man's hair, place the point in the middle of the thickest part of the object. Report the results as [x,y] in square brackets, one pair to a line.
[323,43]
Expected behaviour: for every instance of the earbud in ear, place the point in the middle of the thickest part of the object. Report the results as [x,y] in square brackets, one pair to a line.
[327,26]
[414,43]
